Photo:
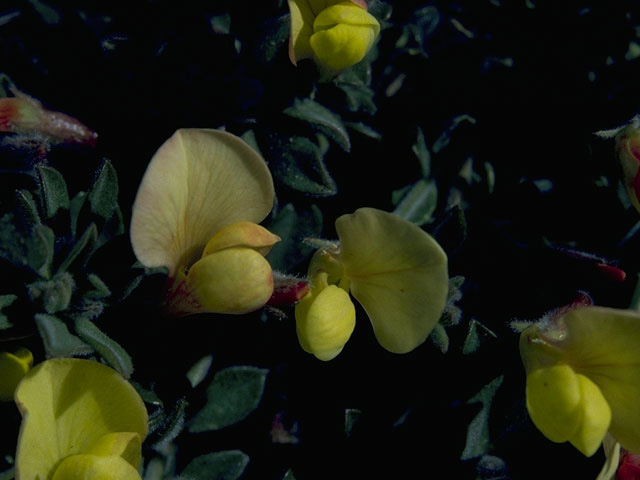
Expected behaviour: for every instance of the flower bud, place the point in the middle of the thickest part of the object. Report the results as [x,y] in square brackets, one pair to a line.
[628,152]
[336,34]
[325,319]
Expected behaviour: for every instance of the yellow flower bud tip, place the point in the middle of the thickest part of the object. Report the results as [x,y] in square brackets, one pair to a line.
[337,34]
[13,367]
[325,319]
[234,280]
[245,234]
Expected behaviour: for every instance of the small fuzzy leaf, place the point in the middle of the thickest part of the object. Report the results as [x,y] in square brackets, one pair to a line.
[85,245]
[322,118]
[198,372]
[49,15]
[55,293]
[419,203]
[233,394]
[75,207]
[40,250]
[28,207]
[289,475]
[103,196]
[359,98]
[172,425]
[6,301]
[351,417]
[365,130]
[300,166]
[58,341]
[292,227]
[478,431]
[7,87]
[473,340]
[100,288]
[221,24]
[440,338]
[53,189]
[273,35]
[110,350]
[422,152]
[379,9]
[225,465]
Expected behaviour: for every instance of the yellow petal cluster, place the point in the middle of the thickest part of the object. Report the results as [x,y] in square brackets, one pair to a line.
[81,421]
[583,374]
[395,270]
[336,34]
[13,366]
[196,213]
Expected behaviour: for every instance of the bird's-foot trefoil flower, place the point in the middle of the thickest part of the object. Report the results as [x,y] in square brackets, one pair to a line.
[196,213]
[80,421]
[396,271]
[13,366]
[336,34]
[583,376]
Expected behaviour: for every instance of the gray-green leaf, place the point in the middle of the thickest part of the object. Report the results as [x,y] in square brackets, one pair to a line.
[478,440]
[419,203]
[225,465]
[57,340]
[53,189]
[322,118]
[234,393]
[109,349]
[103,196]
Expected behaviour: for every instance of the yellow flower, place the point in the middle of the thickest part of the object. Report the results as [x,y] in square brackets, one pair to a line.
[395,270]
[13,366]
[337,34]
[196,213]
[628,151]
[583,377]
[81,421]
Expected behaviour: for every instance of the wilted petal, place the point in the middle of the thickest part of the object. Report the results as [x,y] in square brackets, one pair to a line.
[197,183]
[68,405]
[398,273]
[13,367]
[325,319]
[94,467]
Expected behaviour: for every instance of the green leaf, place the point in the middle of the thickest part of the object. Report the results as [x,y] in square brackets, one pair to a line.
[365,130]
[172,425]
[75,207]
[6,86]
[40,250]
[289,475]
[225,465]
[359,98]
[49,15]
[322,118]
[154,470]
[53,189]
[234,393]
[478,442]
[198,372]
[109,349]
[250,139]
[28,207]
[221,24]
[273,36]
[113,227]
[292,227]
[439,338]
[422,152]
[6,301]
[55,293]
[57,340]
[103,195]
[380,10]
[351,417]
[419,203]
[100,289]
[85,245]
[7,474]
[473,339]
[299,165]
[445,137]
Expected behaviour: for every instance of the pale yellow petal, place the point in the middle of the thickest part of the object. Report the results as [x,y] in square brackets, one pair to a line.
[197,183]
[13,367]
[242,234]
[126,445]
[235,280]
[325,319]
[302,17]
[596,417]
[67,405]
[94,467]
[398,273]
[553,401]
